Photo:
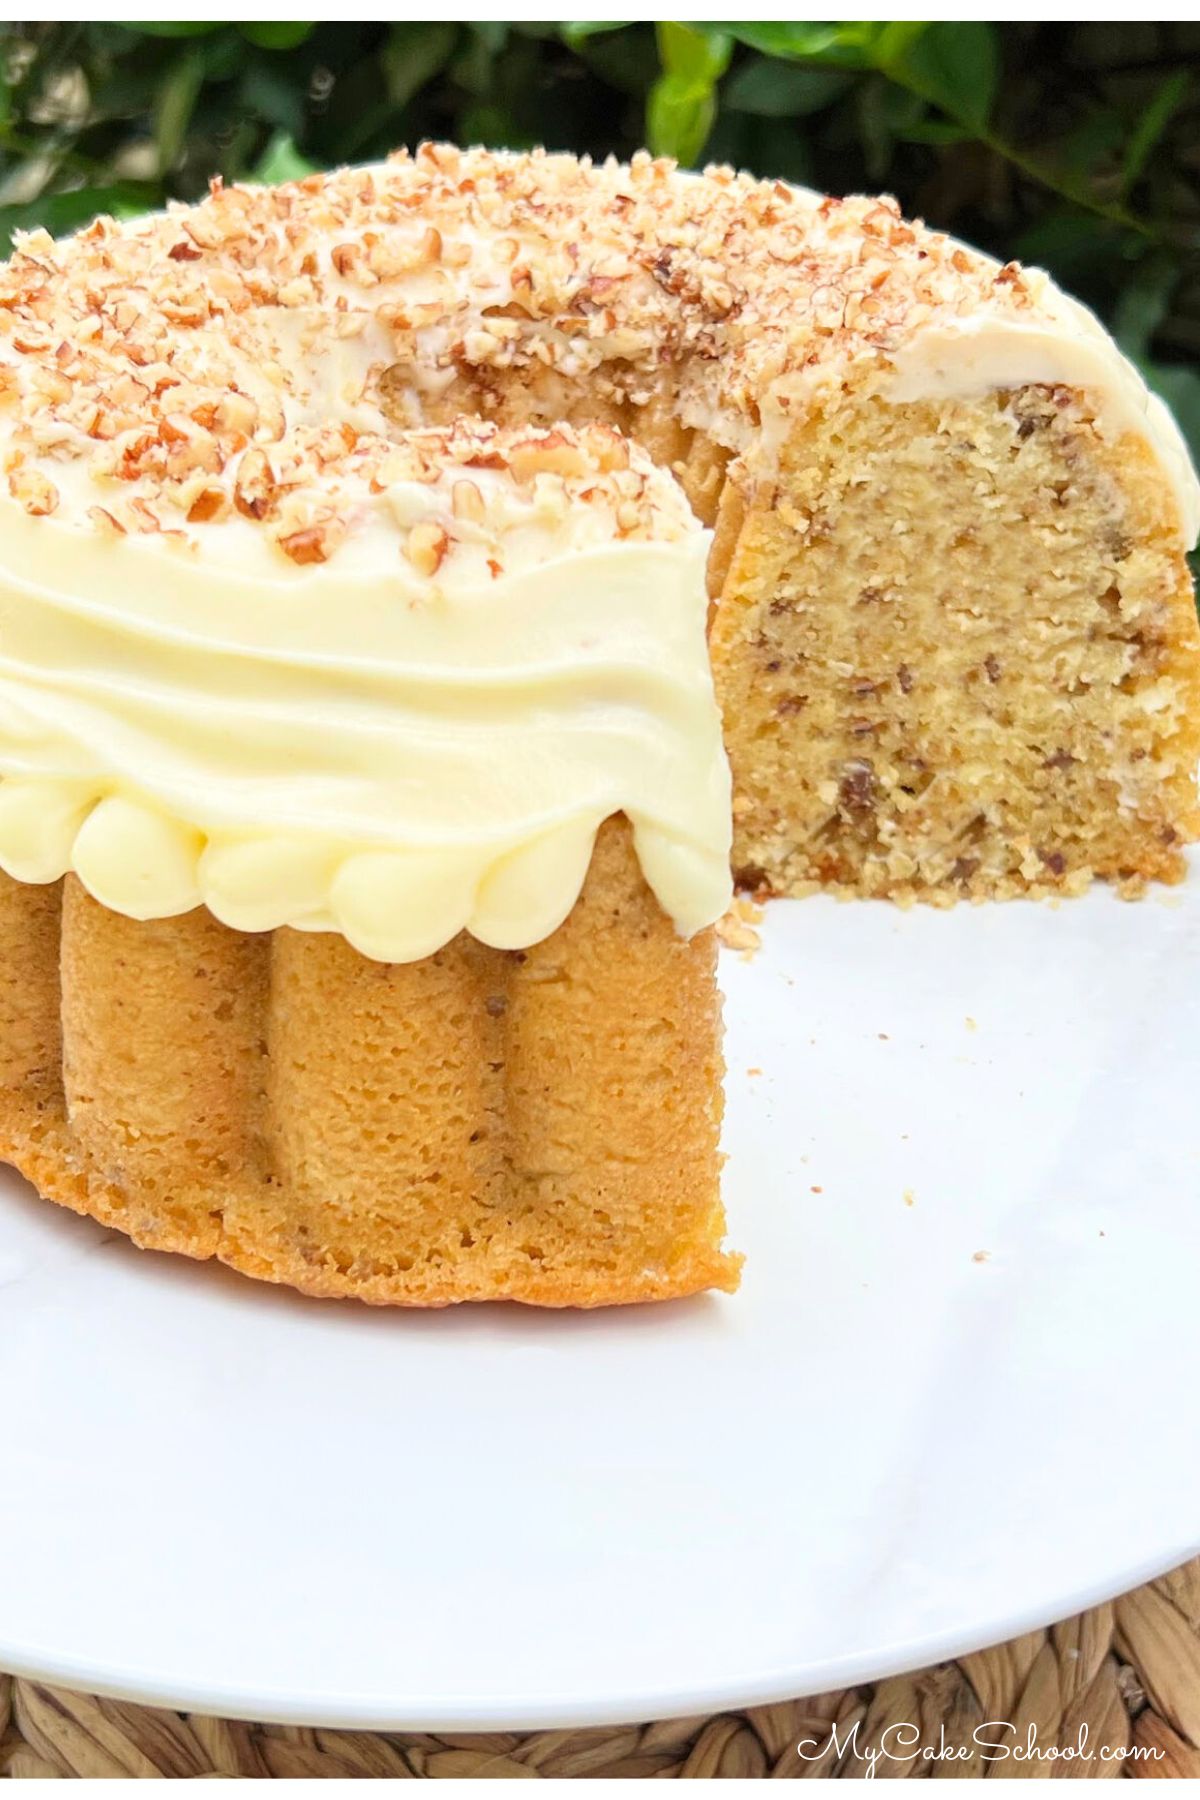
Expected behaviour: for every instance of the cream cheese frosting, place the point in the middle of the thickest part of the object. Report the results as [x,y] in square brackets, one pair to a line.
[269,645]
[398,757]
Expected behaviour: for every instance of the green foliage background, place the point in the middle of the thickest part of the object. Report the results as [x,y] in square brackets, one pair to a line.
[1073,146]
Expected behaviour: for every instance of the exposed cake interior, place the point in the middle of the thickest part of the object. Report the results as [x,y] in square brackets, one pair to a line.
[957,658]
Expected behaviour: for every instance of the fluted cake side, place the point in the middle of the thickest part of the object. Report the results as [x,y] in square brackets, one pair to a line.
[535,1125]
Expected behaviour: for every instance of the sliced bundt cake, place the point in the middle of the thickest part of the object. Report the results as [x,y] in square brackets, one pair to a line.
[361,788]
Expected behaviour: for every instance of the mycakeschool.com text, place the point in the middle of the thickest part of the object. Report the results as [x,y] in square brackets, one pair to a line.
[995,1741]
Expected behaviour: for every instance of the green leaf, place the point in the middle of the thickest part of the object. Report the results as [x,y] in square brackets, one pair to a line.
[413,55]
[782,90]
[699,55]
[281,161]
[577,31]
[278,34]
[895,42]
[884,112]
[679,117]
[174,107]
[1179,386]
[491,34]
[778,146]
[619,59]
[1063,238]
[266,96]
[1143,305]
[1089,151]
[1151,125]
[475,65]
[494,127]
[827,43]
[954,65]
[682,104]
[174,29]
[936,131]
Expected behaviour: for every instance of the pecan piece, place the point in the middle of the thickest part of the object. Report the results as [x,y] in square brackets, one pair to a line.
[210,503]
[466,502]
[255,489]
[856,792]
[553,454]
[311,544]
[426,546]
[34,492]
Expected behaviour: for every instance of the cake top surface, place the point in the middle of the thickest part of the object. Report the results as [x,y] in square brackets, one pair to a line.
[307,320]
[536,257]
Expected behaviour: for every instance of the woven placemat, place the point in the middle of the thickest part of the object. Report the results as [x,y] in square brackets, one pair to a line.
[1115,1691]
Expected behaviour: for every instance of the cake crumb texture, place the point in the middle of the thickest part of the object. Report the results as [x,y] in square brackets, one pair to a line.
[957,656]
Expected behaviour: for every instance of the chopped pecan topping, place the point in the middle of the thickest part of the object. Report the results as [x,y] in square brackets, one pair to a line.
[210,503]
[467,502]
[360,294]
[426,547]
[311,544]
[255,489]
[549,453]
[34,492]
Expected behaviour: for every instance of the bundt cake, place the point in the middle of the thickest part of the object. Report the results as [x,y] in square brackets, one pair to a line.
[363,804]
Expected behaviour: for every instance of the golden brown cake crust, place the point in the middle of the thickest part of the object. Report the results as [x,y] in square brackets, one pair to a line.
[539,1126]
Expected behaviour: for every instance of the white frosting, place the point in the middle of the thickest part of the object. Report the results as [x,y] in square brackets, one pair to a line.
[356,748]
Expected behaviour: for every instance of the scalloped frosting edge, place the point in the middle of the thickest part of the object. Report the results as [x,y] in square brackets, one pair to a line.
[392,905]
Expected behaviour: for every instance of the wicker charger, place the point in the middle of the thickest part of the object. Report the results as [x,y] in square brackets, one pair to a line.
[1128,1672]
